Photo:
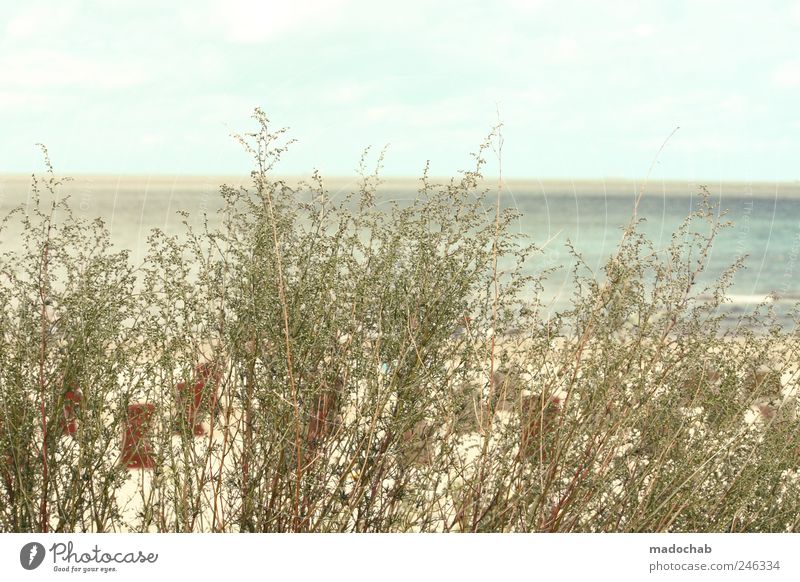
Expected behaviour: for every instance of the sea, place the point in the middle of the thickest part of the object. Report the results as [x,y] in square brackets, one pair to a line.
[555,215]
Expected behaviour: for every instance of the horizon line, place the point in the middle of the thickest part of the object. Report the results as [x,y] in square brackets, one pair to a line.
[191,177]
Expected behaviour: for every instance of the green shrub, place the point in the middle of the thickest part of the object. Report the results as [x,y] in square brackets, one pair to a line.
[336,365]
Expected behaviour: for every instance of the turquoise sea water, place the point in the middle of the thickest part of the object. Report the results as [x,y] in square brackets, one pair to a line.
[765,230]
[766,223]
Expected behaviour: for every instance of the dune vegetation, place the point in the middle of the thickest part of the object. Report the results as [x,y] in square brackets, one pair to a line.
[330,364]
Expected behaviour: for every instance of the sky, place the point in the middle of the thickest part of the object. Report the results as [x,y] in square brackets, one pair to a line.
[584,90]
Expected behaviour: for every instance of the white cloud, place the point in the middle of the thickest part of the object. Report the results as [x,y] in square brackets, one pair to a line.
[787,74]
[734,104]
[350,93]
[46,69]
[433,115]
[566,48]
[152,138]
[692,106]
[476,111]
[655,107]
[257,21]
[527,7]
[643,30]
[39,21]
[23,100]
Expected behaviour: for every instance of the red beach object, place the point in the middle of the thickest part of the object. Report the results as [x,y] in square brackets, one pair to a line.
[322,419]
[319,425]
[197,398]
[7,469]
[136,449]
[69,423]
[206,370]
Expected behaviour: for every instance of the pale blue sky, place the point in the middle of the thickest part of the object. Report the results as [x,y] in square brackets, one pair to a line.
[585,89]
